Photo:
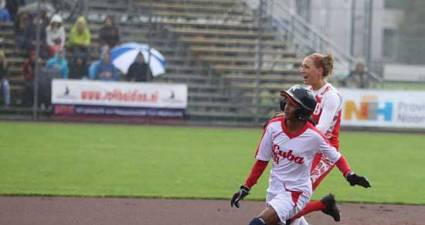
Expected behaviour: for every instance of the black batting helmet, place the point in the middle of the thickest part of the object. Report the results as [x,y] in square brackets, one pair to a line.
[304,97]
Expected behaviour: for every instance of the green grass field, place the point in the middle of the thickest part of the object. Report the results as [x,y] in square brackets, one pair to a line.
[187,162]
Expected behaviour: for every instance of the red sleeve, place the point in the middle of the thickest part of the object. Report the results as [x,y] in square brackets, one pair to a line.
[256,172]
[343,166]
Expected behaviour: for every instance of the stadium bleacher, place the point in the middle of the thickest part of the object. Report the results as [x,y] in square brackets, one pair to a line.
[214,50]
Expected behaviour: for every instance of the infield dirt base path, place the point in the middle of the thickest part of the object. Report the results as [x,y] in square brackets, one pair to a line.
[128,211]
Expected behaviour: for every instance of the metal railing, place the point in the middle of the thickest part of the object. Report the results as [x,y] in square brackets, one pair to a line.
[306,39]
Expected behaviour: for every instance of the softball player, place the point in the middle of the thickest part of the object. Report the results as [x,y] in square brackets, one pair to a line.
[291,142]
[327,117]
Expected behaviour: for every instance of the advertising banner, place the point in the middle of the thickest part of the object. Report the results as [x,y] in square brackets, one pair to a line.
[86,97]
[376,108]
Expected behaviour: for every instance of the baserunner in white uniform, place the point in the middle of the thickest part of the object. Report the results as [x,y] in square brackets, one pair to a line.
[291,142]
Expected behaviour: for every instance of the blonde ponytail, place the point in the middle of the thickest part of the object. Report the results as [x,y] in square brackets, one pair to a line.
[328,64]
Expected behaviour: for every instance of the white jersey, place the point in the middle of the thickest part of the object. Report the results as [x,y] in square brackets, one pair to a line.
[292,155]
[327,114]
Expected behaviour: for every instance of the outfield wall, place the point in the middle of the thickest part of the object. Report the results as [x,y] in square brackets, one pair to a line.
[362,109]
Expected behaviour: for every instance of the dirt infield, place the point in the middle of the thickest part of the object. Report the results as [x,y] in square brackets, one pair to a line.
[117,211]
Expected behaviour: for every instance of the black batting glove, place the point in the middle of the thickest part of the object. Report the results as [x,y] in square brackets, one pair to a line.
[355,179]
[241,194]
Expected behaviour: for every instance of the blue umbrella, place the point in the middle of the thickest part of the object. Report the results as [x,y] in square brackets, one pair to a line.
[123,56]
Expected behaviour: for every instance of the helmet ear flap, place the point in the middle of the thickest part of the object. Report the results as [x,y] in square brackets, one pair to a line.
[282,104]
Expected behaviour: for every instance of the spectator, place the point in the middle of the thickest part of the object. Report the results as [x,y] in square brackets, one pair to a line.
[44,23]
[55,35]
[26,33]
[4,72]
[24,30]
[59,64]
[103,69]
[28,70]
[359,77]
[139,70]
[109,33]
[45,86]
[79,39]
[13,6]
[4,13]
[78,69]
[56,67]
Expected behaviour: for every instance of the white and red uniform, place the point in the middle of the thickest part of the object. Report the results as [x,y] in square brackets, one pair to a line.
[327,117]
[292,154]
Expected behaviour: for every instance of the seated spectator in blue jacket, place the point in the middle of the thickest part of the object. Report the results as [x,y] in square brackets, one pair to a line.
[4,13]
[103,69]
[59,63]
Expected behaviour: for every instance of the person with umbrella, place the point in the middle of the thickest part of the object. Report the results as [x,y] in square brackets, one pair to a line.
[125,54]
[139,70]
